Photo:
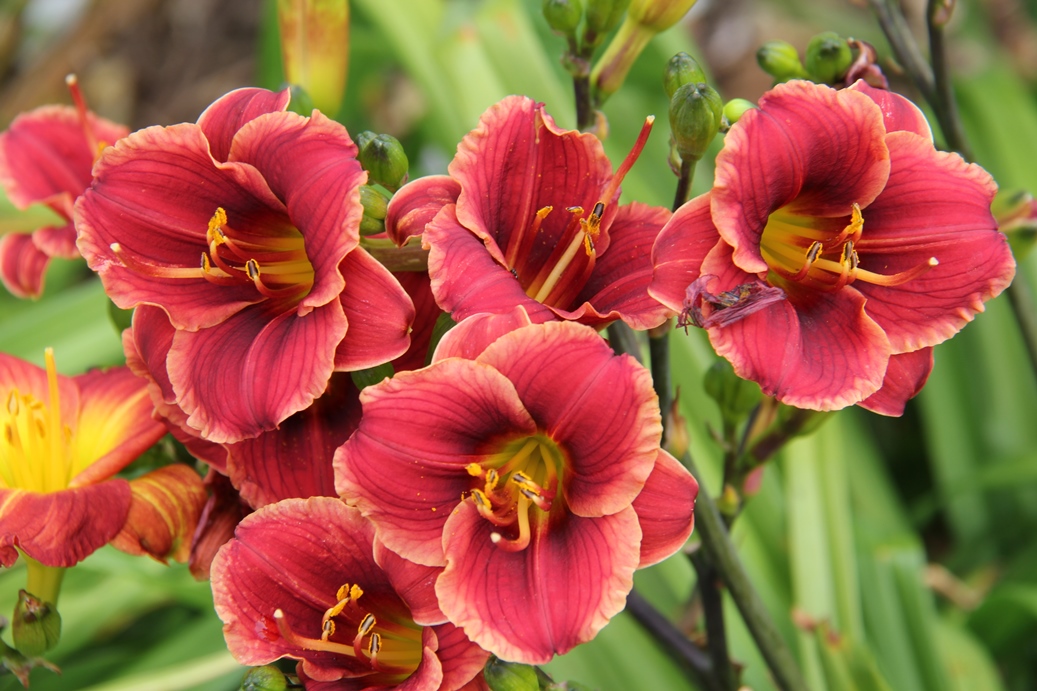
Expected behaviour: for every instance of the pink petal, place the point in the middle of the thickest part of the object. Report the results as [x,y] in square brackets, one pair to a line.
[404,468]
[462,660]
[679,250]
[310,164]
[618,286]
[22,265]
[163,513]
[294,460]
[466,278]
[824,151]
[419,288]
[935,205]
[417,203]
[665,509]
[57,242]
[414,583]
[222,120]
[62,528]
[530,605]
[221,514]
[905,377]
[472,336]
[379,313]
[599,408]
[898,113]
[816,350]
[248,374]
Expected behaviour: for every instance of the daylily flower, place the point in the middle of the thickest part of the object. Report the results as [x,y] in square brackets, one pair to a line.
[63,439]
[45,157]
[532,473]
[304,579]
[243,229]
[835,249]
[536,223]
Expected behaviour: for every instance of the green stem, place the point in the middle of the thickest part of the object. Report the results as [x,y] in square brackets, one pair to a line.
[710,527]
[584,107]
[716,629]
[683,651]
[43,582]
[1020,297]
[898,33]
[945,106]
[684,183]
[659,352]
[623,340]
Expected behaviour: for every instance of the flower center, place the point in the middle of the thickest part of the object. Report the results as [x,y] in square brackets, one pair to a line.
[388,645]
[35,449]
[273,260]
[516,489]
[558,280]
[820,253]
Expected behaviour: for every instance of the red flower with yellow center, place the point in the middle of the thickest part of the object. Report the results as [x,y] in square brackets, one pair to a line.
[244,230]
[835,249]
[528,465]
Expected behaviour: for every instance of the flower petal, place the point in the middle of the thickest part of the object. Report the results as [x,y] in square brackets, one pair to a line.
[898,113]
[934,205]
[379,313]
[163,513]
[618,286]
[61,528]
[248,374]
[222,120]
[223,510]
[294,460]
[22,265]
[825,151]
[417,203]
[905,377]
[679,251]
[530,605]
[472,336]
[816,350]
[665,509]
[405,466]
[600,408]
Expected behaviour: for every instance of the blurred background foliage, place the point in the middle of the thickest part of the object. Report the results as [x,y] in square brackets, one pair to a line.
[894,553]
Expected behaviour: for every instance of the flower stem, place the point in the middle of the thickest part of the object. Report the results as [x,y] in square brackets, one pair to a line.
[1020,297]
[687,174]
[677,644]
[710,527]
[906,50]
[623,340]
[945,105]
[584,107]
[43,582]
[659,352]
[716,630]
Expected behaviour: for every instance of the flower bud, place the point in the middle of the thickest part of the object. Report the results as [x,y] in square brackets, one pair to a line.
[36,627]
[375,205]
[315,48]
[300,101]
[780,59]
[735,109]
[828,57]
[1016,214]
[658,15]
[603,15]
[510,676]
[266,678]
[695,113]
[383,158]
[735,396]
[563,16]
[680,70]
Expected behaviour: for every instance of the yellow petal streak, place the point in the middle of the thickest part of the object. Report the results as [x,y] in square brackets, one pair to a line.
[36,452]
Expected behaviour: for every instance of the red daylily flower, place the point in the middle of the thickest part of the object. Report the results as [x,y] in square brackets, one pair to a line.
[63,439]
[46,156]
[835,249]
[552,444]
[243,229]
[530,216]
[304,579]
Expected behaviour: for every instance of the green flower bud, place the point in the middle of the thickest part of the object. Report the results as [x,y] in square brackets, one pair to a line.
[36,627]
[780,60]
[680,70]
[828,57]
[383,158]
[510,676]
[695,113]
[1016,214]
[563,15]
[735,396]
[300,101]
[373,375]
[604,15]
[735,109]
[266,678]
[658,15]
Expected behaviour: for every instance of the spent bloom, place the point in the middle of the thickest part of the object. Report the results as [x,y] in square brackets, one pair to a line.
[243,229]
[835,249]
[46,156]
[304,579]
[530,216]
[527,465]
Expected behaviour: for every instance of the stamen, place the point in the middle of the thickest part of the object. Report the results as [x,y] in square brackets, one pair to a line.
[898,278]
[366,624]
[474,469]
[813,252]
[522,541]
[137,266]
[628,162]
[305,643]
[72,82]
[517,249]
